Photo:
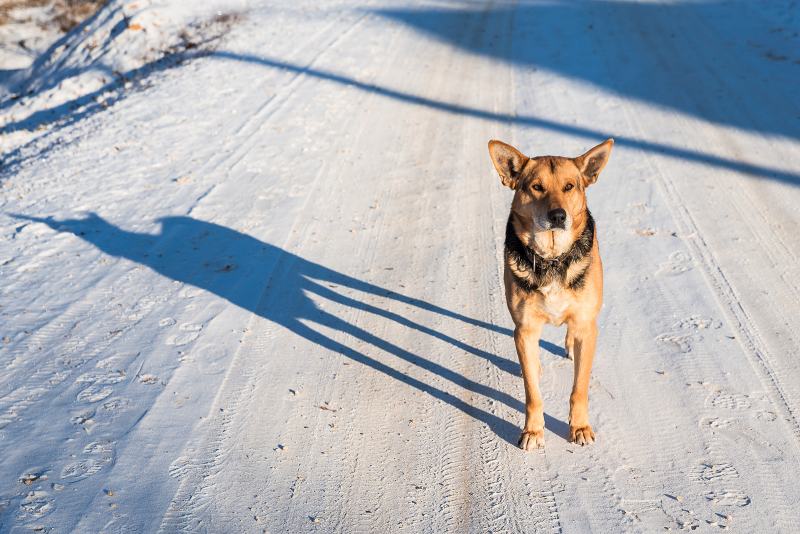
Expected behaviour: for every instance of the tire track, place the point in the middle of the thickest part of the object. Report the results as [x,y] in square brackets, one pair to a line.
[190,492]
[533,506]
[247,133]
[749,339]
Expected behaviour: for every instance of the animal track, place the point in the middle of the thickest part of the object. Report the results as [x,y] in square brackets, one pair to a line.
[85,419]
[765,415]
[679,262]
[730,401]
[682,341]
[717,423]
[698,322]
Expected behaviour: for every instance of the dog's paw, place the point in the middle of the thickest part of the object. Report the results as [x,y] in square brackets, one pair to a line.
[582,435]
[530,440]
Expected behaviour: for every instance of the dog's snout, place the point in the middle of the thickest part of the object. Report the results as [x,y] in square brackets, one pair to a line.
[557,217]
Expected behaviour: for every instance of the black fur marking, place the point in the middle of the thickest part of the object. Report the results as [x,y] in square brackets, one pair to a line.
[579,281]
[541,270]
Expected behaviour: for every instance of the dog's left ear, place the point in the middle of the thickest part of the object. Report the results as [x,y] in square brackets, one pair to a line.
[593,161]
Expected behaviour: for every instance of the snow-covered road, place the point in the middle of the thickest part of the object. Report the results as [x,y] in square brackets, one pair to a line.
[257,286]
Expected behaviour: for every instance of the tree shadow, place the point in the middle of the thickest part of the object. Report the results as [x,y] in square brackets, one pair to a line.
[230,264]
[591,134]
[51,69]
[562,37]
[744,77]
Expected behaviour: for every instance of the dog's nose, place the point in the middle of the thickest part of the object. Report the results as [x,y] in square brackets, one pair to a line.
[557,217]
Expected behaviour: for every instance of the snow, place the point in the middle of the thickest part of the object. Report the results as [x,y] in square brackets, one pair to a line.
[251,268]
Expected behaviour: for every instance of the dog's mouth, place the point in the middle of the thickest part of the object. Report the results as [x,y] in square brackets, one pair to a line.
[551,243]
[540,236]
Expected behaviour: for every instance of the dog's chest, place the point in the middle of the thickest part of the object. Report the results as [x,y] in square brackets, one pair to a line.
[553,301]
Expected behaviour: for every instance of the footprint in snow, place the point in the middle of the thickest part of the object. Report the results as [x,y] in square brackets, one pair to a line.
[148,379]
[84,419]
[682,341]
[98,455]
[37,503]
[715,472]
[678,263]
[189,332]
[96,378]
[698,322]
[190,292]
[766,415]
[95,393]
[730,401]
[728,498]
[115,404]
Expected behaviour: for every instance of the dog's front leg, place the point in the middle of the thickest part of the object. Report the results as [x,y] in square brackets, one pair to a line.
[584,338]
[526,338]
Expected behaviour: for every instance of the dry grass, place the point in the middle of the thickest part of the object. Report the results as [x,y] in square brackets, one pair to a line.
[70,13]
[7,6]
[65,14]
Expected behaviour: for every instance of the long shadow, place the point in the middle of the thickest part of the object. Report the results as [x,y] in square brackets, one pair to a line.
[688,154]
[229,264]
[604,43]
[84,106]
[737,68]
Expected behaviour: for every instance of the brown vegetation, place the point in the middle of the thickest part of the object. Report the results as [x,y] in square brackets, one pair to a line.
[65,14]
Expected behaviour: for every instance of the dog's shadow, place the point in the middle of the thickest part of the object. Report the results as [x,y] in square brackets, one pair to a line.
[229,264]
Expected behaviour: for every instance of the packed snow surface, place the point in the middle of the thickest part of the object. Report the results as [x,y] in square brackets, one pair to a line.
[251,281]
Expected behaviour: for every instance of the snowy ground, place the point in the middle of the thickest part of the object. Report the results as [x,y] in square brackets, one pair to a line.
[255,285]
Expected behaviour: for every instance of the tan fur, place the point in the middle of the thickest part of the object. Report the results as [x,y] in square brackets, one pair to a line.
[553,302]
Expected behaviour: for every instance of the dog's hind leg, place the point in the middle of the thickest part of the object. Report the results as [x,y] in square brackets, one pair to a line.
[569,344]
[526,338]
[584,335]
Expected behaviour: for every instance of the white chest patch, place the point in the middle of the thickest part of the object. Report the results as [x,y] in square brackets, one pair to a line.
[554,301]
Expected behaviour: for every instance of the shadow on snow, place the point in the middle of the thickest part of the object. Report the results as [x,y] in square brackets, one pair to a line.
[735,70]
[230,264]
[603,43]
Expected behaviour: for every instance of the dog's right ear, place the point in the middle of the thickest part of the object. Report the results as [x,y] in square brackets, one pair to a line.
[508,161]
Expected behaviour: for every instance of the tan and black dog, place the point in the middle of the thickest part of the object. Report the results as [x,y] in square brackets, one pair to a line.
[553,272]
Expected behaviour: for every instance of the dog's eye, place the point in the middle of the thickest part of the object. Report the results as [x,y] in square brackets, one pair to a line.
[538,187]
[568,187]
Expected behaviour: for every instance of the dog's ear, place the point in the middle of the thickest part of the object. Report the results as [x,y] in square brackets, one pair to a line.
[593,161]
[508,161]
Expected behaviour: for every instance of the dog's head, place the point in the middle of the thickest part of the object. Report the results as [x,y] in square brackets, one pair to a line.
[549,204]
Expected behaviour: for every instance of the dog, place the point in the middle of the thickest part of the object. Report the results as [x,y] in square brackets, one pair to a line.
[552,272]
